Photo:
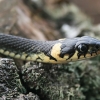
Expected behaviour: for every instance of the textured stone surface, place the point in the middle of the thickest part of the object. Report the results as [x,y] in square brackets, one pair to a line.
[10,83]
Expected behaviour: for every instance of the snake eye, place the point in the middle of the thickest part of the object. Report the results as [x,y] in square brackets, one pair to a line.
[82,48]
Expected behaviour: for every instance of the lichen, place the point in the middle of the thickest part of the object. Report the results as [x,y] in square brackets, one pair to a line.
[53,82]
[10,84]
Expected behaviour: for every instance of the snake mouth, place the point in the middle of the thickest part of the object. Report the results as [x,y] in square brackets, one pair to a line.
[87,55]
[92,52]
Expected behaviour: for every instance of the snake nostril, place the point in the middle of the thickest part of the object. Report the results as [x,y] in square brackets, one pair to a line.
[97,47]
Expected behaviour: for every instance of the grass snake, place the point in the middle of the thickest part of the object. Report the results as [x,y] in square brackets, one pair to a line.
[57,51]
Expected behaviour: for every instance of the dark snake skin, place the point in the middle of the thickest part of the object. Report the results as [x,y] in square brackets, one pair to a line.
[14,43]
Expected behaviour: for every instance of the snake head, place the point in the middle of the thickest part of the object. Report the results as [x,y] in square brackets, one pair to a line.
[80,48]
[87,47]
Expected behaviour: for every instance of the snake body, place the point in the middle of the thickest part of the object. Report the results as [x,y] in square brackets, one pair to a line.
[58,51]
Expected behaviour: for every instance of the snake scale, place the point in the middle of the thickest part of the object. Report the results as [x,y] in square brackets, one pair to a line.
[58,51]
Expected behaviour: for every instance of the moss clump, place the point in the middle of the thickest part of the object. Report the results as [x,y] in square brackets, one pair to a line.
[52,82]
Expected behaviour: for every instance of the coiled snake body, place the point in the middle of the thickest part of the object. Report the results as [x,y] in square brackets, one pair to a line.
[58,51]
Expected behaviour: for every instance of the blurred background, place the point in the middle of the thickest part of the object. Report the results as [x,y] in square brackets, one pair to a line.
[50,19]
[89,7]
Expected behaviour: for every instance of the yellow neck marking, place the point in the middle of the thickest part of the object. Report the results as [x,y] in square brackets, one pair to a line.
[55,52]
